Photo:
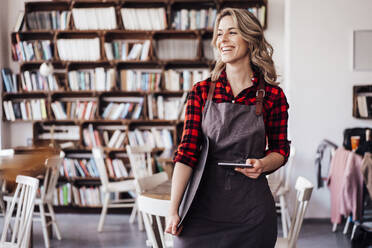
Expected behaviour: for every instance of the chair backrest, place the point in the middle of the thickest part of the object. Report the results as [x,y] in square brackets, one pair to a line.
[140,160]
[304,188]
[24,197]
[6,152]
[51,175]
[100,162]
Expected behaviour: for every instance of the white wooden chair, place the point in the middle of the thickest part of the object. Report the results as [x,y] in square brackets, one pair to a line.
[45,198]
[280,185]
[153,209]
[141,166]
[112,187]
[140,160]
[25,200]
[304,189]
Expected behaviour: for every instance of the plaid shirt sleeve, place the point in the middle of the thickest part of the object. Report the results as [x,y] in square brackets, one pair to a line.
[277,124]
[188,150]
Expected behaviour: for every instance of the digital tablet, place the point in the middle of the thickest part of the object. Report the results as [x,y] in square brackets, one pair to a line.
[234,165]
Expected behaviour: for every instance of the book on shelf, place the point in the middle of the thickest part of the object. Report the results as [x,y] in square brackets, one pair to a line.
[164,108]
[20,20]
[128,50]
[144,18]
[103,137]
[123,108]
[75,168]
[152,137]
[364,103]
[94,18]
[26,109]
[82,110]
[34,81]
[48,20]
[86,196]
[63,197]
[33,50]
[183,79]
[140,80]
[79,49]
[10,80]
[177,49]
[99,79]
[192,19]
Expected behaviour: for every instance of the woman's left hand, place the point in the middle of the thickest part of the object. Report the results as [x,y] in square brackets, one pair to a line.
[255,171]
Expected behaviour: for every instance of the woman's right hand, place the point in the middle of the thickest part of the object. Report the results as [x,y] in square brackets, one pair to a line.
[173,221]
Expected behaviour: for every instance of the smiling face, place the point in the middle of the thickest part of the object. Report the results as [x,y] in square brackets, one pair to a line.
[230,44]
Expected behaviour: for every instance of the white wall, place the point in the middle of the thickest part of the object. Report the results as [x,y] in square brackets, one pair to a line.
[319,70]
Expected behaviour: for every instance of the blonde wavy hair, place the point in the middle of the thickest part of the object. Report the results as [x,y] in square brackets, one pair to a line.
[252,32]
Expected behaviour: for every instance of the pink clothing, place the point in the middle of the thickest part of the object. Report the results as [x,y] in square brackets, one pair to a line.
[345,183]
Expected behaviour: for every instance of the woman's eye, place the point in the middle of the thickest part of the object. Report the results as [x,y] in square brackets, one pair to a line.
[219,34]
[232,32]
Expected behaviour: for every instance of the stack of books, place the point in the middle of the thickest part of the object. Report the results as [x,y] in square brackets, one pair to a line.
[79,49]
[140,80]
[99,79]
[128,50]
[153,137]
[32,109]
[144,18]
[185,19]
[128,108]
[103,137]
[47,20]
[33,50]
[81,110]
[94,18]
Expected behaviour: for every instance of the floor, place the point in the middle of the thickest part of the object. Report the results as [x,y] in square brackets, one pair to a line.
[80,231]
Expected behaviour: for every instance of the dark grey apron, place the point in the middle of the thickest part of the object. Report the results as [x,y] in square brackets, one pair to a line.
[222,207]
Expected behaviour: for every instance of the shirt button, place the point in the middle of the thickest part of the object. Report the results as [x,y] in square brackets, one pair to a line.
[233,101]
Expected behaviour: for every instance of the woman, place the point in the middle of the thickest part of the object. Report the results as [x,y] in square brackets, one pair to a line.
[231,116]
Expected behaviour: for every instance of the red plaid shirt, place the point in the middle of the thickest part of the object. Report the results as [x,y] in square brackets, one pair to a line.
[275,114]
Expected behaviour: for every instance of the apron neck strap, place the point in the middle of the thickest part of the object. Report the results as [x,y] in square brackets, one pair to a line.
[260,94]
[211,91]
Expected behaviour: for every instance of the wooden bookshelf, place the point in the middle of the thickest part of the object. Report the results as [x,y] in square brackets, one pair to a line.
[75,146]
[362,101]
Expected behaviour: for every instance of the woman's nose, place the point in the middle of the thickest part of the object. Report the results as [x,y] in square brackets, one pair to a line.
[224,37]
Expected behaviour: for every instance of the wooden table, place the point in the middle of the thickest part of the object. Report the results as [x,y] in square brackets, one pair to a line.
[22,164]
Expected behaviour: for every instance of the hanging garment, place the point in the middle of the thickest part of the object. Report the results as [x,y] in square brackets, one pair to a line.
[352,191]
[367,171]
[323,160]
[344,185]
[229,208]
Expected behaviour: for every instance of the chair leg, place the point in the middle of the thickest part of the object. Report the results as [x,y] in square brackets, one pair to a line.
[140,220]
[104,212]
[133,214]
[283,209]
[54,221]
[44,225]
[149,230]
[346,228]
